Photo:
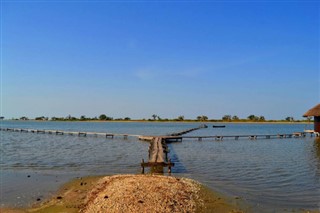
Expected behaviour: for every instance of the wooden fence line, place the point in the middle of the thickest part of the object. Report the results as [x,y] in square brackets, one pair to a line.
[60,132]
[174,137]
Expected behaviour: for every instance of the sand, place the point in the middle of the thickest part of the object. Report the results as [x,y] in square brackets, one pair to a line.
[135,193]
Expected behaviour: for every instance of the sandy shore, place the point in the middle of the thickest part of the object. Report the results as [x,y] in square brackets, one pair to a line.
[135,193]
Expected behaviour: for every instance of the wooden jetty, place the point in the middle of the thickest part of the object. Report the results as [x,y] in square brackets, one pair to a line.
[173,137]
[188,130]
[158,156]
[252,137]
[167,139]
[61,132]
[158,148]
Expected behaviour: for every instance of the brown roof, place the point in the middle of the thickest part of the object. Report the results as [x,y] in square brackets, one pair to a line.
[315,111]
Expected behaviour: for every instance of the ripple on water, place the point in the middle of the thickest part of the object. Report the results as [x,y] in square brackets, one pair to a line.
[272,174]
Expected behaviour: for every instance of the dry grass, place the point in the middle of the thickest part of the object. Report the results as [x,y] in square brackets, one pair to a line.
[143,193]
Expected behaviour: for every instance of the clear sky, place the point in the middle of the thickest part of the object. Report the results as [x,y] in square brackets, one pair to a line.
[172,58]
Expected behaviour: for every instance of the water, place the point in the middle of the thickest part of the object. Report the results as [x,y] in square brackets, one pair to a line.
[272,175]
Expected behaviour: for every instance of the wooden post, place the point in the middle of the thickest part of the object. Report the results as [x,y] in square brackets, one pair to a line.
[142,166]
[169,166]
[219,138]
[111,135]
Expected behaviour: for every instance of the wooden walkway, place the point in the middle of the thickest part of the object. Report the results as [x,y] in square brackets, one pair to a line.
[252,137]
[158,156]
[188,130]
[174,137]
[80,134]
[158,148]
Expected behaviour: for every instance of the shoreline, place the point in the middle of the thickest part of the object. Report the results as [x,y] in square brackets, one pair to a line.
[157,121]
[135,193]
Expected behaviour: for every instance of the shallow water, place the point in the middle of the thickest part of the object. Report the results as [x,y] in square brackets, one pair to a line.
[272,175]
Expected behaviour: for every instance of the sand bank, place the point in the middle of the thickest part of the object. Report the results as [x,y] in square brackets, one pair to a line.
[135,193]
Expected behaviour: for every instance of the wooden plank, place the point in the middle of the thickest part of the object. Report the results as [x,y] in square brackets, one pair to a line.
[160,152]
[153,152]
[84,134]
[109,135]
[59,133]
[157,150]
[150,164]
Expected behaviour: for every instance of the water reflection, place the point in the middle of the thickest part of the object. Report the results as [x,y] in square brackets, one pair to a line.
[316,146]
[316,152]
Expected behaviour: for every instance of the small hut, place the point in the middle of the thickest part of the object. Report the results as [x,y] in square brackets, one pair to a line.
[315,111]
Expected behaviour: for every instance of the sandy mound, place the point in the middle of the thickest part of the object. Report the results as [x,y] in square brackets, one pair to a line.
[134,193]
[143,193]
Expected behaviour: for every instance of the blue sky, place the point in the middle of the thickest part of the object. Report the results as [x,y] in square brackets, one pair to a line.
[139,58]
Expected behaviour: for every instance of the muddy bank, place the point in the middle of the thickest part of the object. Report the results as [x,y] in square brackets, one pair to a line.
[135,193]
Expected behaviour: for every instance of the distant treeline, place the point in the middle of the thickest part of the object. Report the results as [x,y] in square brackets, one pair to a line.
[154,117]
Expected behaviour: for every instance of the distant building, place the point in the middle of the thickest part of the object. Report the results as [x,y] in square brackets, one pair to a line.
[315,111]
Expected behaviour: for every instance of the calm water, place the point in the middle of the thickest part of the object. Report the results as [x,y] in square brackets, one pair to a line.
[272,175]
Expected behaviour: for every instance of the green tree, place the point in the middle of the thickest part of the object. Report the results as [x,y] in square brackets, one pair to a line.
[226,118]
[102,117]
[109,118]
[154,116]
[253,118]
[235,118]
[262,118]
[290,119]
[180,118]
[42,118]
[202,118]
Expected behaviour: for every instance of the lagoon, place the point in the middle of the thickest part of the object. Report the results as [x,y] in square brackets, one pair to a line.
[271,175]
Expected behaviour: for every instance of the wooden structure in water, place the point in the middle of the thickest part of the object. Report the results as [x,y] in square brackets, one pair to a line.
[174,137]
[158,148]
[315,111]
[158,156]
[61,132]
[253,137]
